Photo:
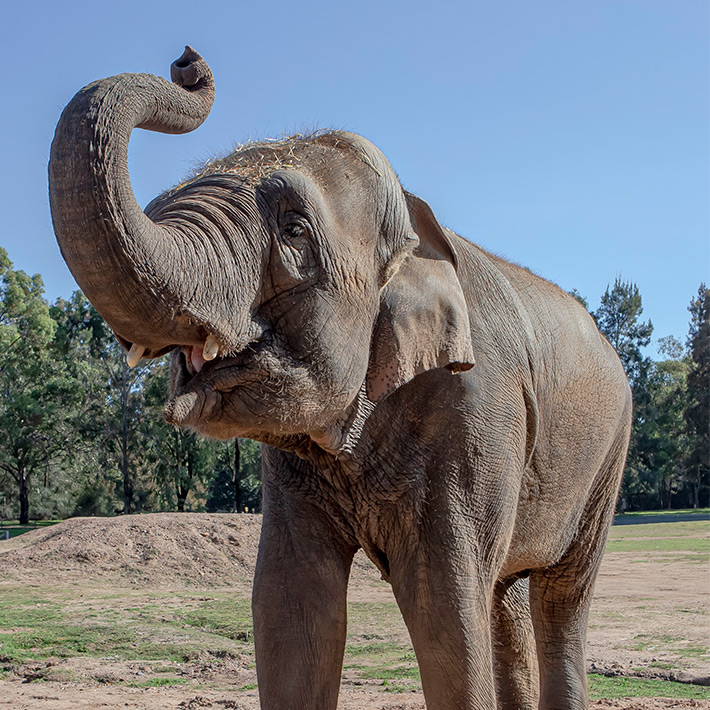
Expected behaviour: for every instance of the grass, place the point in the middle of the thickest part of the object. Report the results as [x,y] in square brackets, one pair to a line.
[680,511]
[602,688]
[32,628]
[679,544]
[229,618]
[672,529]
[686,541]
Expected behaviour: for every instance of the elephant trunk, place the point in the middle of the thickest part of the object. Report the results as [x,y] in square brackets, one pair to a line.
[138,274]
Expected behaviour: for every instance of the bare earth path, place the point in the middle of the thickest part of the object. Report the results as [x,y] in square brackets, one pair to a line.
[649,619]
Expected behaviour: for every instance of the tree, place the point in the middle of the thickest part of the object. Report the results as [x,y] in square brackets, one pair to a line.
[618,319]
[698,411]
[37,392]
[85,342]
[661,441]
[236,485]
[111,428]
[125,435]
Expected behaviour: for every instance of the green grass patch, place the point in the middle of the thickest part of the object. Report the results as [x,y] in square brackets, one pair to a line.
[669,513]
[381,649]
[603,688]
[645,642]
[230,618]
[692,528]
[684,541]
[69,641]
[654,544]
[396,673]
[396,687]
[691,651]
[115,626]
[375,621]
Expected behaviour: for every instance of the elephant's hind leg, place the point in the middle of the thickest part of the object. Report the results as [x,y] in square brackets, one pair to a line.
[514,658]
[561,595]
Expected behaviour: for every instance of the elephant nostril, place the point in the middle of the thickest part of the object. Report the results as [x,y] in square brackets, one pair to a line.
[186,71]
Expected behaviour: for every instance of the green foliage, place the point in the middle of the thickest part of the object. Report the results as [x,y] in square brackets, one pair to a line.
[84,432]
[180,462]
[668,455]
[38,394]
[655,467]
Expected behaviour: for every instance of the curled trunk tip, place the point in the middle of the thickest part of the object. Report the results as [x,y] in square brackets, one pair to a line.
[190,70]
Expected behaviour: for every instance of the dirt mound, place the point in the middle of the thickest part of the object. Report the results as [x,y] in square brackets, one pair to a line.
[163,549]
[158,548]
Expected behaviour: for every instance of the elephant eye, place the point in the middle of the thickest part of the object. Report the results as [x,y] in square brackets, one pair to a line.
[295,253]
[295,230]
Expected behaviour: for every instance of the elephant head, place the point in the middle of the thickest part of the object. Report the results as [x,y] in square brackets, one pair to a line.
[295,281]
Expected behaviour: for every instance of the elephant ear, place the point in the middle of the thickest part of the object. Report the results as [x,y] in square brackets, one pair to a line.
[423,320]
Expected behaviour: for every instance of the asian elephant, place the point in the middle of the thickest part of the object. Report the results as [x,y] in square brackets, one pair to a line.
[455,416]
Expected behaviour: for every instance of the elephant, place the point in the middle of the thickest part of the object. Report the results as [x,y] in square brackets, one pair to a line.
[458,418]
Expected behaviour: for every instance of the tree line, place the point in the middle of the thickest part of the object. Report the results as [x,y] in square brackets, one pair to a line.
[81,433]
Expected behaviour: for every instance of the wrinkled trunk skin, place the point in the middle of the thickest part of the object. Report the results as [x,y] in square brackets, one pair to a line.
[133,270]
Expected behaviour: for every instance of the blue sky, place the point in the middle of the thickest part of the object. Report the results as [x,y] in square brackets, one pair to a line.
[570,137]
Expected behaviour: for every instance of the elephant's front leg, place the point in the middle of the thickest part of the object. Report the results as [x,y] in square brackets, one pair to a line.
[299,608]
[446,603]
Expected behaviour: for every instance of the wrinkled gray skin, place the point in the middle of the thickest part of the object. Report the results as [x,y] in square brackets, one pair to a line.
[348,322]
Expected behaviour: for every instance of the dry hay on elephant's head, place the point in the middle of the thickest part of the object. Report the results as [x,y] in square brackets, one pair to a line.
[256,160]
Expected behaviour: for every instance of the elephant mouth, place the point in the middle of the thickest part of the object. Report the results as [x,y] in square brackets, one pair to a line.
[198,384]
[193,367]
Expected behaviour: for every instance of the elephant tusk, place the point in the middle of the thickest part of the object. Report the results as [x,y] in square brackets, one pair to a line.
[211,348]
[134,355]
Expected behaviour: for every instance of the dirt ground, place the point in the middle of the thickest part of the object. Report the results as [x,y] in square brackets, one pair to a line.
[649,616]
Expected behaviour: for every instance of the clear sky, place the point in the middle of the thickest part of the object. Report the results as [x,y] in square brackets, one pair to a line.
[570,137]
